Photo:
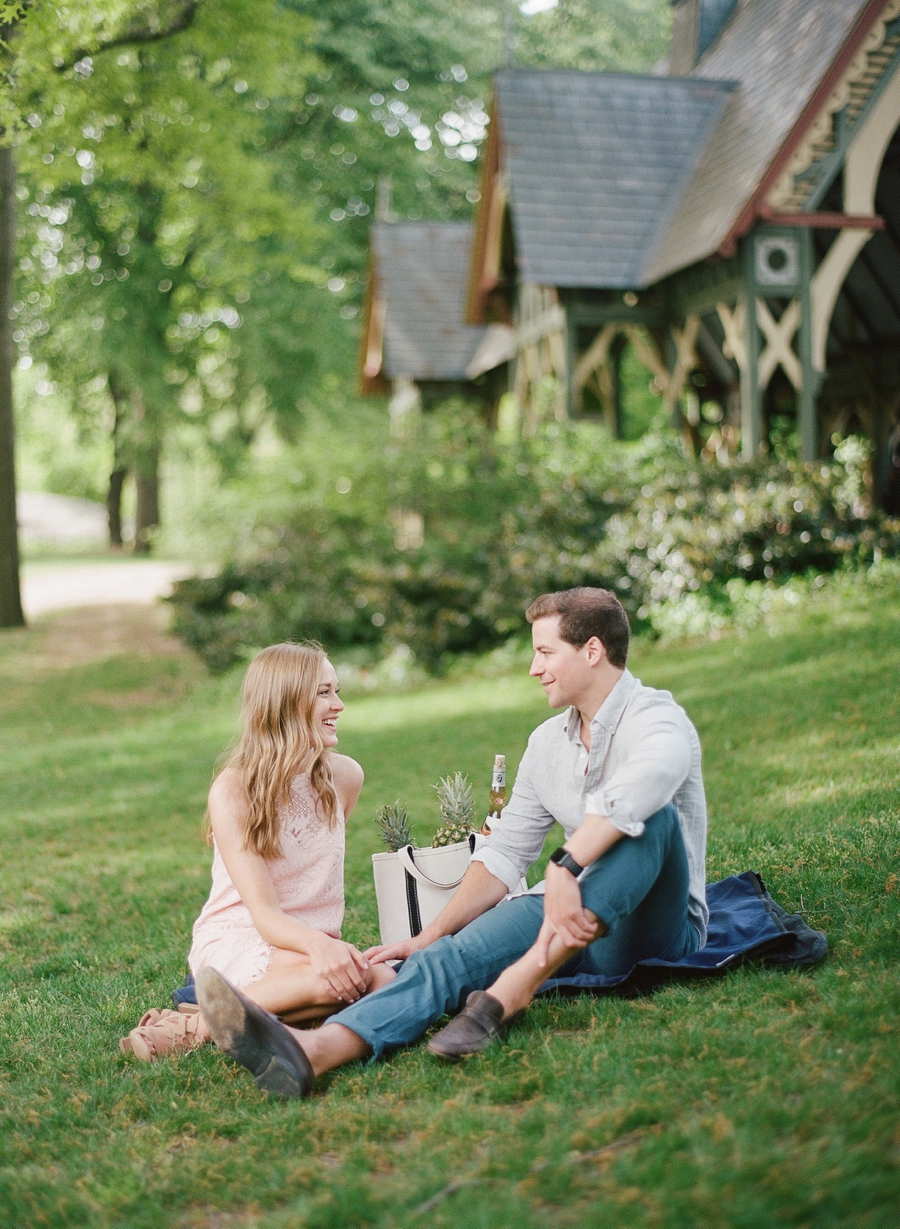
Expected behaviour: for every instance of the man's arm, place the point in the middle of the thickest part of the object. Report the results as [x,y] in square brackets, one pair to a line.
[656,766]
[516,841]
[517,834]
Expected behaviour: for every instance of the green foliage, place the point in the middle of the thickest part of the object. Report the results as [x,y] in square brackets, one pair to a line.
[756,1098]
[623,35]
[694,527]
[440,541]
[196,208]
[159,228]
[392,822]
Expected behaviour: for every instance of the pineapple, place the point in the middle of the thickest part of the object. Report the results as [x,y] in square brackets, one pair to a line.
[457,810]
[393,825]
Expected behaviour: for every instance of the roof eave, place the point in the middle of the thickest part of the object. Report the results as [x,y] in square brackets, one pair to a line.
[753,210]
[480,283]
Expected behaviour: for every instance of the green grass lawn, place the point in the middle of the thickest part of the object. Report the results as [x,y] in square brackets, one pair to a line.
[762,1098]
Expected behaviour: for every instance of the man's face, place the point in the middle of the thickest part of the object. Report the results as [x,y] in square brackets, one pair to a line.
[563,669]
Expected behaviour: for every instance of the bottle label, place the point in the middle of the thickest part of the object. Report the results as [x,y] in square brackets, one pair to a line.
[498,779]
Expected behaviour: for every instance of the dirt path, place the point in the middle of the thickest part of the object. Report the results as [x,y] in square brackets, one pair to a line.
[61,586]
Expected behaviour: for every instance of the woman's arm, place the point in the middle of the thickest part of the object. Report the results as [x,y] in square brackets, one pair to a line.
[340,964]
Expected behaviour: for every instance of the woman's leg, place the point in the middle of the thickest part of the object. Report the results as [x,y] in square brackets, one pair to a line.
[291,990]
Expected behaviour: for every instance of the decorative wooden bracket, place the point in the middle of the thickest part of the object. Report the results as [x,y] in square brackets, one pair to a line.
[779,334]
[685,359]
[733,323]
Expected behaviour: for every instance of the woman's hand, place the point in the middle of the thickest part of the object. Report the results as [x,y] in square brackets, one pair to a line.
[340,965]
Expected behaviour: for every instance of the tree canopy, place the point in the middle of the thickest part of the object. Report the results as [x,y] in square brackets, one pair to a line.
[196,179]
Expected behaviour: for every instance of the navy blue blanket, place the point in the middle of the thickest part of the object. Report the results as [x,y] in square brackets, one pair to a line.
[745,923]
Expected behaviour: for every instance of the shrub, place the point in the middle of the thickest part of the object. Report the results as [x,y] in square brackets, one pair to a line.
[440,541]
[698,526]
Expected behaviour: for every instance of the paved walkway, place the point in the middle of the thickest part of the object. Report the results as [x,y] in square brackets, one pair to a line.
[61,586]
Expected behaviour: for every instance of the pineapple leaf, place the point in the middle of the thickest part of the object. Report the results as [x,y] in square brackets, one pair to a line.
[457,809]
[392,822]
[456,800]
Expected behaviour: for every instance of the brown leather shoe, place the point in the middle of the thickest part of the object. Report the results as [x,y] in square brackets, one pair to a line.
[478,1025]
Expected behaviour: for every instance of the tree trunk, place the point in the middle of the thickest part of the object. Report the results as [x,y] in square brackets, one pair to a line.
[146,521]
[119,470]
[10,596]
[114,507]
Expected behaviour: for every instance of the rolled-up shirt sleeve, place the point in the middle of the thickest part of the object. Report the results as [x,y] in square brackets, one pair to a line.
[517,835]
[657,765]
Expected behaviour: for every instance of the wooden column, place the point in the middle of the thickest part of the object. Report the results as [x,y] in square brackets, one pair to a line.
[807,418]
[751,394]
[616,351]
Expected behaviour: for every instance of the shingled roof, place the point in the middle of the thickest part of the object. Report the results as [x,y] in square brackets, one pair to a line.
[596,164]
[420,272]
[779,50]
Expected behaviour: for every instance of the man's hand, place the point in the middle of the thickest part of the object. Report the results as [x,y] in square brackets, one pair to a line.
[394,951]
[564,915]
[340,965]
[478,892]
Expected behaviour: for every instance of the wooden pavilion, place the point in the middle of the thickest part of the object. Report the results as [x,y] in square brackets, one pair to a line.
[734,219]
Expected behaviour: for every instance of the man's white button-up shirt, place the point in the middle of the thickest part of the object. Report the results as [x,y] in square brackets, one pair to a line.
[644,754]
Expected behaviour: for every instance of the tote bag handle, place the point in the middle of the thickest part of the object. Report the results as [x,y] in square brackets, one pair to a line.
[405,857]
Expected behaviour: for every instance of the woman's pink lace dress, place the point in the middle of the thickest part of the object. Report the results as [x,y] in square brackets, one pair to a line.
[309,881]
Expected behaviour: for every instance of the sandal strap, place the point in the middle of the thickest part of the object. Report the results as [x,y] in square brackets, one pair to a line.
[163,1032]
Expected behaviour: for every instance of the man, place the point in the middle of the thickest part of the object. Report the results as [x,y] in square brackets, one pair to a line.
[620,771]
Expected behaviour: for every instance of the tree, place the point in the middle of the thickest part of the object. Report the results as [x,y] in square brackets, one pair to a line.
[172,196]
[190,201]
[158,208]
[618,35]
[29,34]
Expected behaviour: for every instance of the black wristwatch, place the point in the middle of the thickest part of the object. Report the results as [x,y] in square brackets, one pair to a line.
[563,858]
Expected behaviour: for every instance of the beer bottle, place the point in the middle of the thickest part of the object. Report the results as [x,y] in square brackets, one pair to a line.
[498,792]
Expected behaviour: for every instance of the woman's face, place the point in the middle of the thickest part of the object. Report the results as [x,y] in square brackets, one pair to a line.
[328,706]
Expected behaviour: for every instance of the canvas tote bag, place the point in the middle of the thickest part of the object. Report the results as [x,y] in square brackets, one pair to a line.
[413,885]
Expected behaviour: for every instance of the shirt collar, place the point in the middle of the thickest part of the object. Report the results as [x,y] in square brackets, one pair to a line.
[609,714]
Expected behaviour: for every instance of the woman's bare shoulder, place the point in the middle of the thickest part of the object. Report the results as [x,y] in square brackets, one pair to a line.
[227,790]
[345,772]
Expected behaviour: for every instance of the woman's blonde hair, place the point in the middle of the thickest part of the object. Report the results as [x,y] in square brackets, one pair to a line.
[280,740]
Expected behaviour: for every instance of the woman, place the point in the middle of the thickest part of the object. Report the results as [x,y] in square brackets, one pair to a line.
[276,817]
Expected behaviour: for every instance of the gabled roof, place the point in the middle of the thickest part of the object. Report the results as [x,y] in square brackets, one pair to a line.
[780,51]
[418,295]
[595,164]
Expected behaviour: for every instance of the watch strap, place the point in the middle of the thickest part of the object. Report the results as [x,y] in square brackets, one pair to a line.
[563,858]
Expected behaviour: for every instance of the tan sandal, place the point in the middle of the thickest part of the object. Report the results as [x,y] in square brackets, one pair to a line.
[160,1033]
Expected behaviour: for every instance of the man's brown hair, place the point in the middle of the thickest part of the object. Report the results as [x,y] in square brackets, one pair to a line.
[583,613]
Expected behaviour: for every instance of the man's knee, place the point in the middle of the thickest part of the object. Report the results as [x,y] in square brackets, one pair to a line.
[663,820]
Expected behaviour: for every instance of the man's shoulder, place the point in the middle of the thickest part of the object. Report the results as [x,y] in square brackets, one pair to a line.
[643,698]
[642,694]
[550,730]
